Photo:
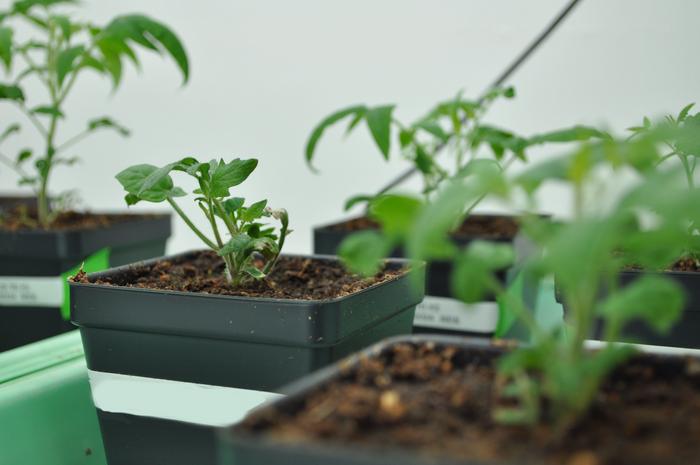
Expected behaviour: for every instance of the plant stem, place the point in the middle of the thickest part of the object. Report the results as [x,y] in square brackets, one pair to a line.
[189,223]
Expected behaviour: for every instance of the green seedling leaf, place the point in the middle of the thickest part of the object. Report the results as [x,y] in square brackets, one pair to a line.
[10,130]
[254,272]
[363,252]
[352,201]
[473,277]
[64,25]
[48,110]
[6,46]
[132,180]
[150,34]
[253,212]
[66,62]
[684,112]
[106,122]
[573,134]
[654,299]
[379,124]
[23,6]
[11,92]
[23,156]
[328,121]
[227,175]
[396,214]
[433,128]
[232,205]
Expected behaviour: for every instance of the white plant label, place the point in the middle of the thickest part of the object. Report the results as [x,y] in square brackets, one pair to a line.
[31,291]
[448,313]
[202,404]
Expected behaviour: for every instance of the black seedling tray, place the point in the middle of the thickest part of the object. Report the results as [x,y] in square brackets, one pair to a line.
[51,253]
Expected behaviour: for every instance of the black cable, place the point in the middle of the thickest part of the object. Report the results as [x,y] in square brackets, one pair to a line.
[519,60]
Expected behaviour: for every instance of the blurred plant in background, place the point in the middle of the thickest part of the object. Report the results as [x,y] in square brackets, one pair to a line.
[62,49]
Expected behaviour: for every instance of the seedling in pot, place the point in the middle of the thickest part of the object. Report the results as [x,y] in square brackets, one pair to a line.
[237,233]
[555,379]
[61,51]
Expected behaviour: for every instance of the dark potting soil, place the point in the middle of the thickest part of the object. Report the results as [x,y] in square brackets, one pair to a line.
[24,219]
[292,278]
[481,226]
[436,401]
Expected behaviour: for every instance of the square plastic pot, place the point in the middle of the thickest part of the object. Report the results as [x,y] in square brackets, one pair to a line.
[166,368]
[440,312]
[684,333]
[33,265]
[238,446]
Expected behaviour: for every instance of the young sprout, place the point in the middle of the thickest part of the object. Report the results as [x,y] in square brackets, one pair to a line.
[455,125]
[62,50]
[238,235]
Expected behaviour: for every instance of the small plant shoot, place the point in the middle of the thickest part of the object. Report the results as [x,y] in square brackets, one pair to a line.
[455,125]
[248,247]
[61,50]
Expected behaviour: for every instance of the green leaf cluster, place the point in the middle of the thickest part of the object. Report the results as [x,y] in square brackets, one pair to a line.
[248,246]
[455,124]
[556,378]
[58,52]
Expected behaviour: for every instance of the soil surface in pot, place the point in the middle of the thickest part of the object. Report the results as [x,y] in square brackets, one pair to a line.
[687,264]
[437,401]
[24,219]
[481,226]
[298,278]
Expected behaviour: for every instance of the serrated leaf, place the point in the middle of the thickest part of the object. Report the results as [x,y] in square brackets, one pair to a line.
[254,272]
[65,63]
[232,205]
[325,124]
[379,123]
[132,180]
[227,175]
[253,212]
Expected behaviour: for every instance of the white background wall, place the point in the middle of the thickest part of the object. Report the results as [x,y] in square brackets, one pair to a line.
[265,71]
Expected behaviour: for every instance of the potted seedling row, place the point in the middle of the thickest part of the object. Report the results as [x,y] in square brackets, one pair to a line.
[42,239]
[457,126]
[195,338]
[675,257]
[431,399]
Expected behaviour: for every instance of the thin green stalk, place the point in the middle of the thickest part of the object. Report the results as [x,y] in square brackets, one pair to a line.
[189,223]
[230,225]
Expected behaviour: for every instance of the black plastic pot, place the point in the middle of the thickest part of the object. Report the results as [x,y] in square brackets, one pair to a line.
[239,445]
[223,342]
[440,312]
[25,255]
[684,333]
